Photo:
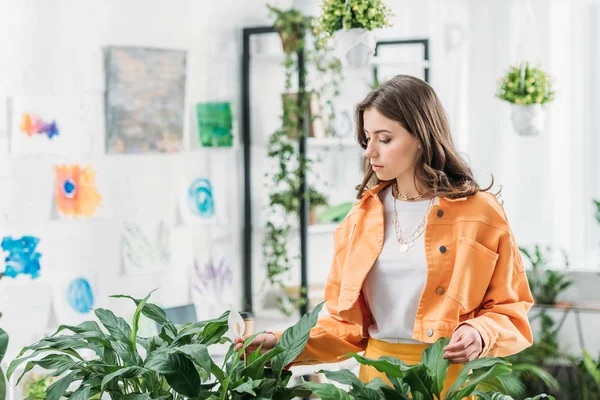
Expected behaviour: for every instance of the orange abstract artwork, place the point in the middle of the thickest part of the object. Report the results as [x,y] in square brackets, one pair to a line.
[75,190]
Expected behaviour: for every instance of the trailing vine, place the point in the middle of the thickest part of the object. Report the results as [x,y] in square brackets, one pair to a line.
[284,180]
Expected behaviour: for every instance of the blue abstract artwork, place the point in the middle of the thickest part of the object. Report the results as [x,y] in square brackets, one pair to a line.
[200,198]
[22,258]
[80,296]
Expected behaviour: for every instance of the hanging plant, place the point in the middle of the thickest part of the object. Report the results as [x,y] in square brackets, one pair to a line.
[351,24]
[528,89]
[283,179]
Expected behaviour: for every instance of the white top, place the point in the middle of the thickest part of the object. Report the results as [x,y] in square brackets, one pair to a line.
[394,284]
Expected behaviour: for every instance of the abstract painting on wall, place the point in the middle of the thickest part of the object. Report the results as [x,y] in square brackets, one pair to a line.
[22,258]
[197,202]
[50,125]
[211,284]
[145,250]
[75,190]
[145,100]
[75,297]
[214,124]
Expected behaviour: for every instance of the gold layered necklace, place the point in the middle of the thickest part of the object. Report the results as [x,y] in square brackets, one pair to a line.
[400,196]
[407,242]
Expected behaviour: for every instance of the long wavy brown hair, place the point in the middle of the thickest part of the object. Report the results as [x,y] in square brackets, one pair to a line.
[413,103]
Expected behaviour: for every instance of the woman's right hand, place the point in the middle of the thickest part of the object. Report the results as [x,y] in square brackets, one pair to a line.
[268,340]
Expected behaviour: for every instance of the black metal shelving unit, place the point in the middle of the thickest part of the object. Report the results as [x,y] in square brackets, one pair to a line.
[246,137]
[246,141]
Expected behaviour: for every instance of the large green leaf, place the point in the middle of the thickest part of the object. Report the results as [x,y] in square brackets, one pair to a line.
[2,385]
[391,394]
[420,381]
[388,365]
[327,391]
[136,319]
[198,353]
[137,396]
[294,339]
[82,393]
[478,363]
[86,326]
[433,359]
[18,361]
[178,370]
[60,362]
[343,376]
[116,326]
[256,368]
[129,356]
[151,311]
[3,343]
[491,395]
[58,388]
[471,383]
[125,373]
[248,386]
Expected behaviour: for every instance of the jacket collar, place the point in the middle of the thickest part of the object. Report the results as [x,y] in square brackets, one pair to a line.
[382,185]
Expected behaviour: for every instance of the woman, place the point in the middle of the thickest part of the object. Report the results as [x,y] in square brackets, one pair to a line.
[425,253]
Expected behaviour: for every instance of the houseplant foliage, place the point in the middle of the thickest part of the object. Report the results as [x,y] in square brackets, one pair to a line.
[173,365]
[3,348]
[283,178]
[482,377]
[351,23]
[528,89]
[545,284]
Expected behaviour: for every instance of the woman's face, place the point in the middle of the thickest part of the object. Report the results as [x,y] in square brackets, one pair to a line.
[391,149]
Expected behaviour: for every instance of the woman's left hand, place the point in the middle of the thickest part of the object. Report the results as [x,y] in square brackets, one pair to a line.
[466,345]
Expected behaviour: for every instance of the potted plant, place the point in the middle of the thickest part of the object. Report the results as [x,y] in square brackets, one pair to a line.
[351,23]
[545,284]
[483,377]
[173,365]
[528,89]
[290,25]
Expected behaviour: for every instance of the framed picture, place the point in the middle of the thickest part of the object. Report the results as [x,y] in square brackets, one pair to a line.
[145,100]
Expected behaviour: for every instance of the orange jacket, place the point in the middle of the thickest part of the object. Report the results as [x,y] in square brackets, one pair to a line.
[475,276]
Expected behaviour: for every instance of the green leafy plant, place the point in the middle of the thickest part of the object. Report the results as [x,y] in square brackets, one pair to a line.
[173,365]
[545,284]
[284,178]
[342,14]
[423,381]
[35,386]
[526,85]
[597,213]
[291,25]
[3,348]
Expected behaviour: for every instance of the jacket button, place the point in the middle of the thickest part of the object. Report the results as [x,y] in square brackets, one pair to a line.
[440,213]
[430,332]
[442,249]
[440,291]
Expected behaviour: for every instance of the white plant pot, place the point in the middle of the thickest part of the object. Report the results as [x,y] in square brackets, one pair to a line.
[356,46]
[528,120]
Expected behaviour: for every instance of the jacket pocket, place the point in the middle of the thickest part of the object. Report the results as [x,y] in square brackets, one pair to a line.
[473,269]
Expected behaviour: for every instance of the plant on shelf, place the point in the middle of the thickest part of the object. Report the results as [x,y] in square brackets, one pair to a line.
[545,284]
[351,23]
[528,89]
[284,178]
[483,377]
[173,365]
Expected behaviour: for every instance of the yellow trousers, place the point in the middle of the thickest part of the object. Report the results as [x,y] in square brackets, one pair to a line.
[409,353]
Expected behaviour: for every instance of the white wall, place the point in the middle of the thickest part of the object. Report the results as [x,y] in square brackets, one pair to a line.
[55,47]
